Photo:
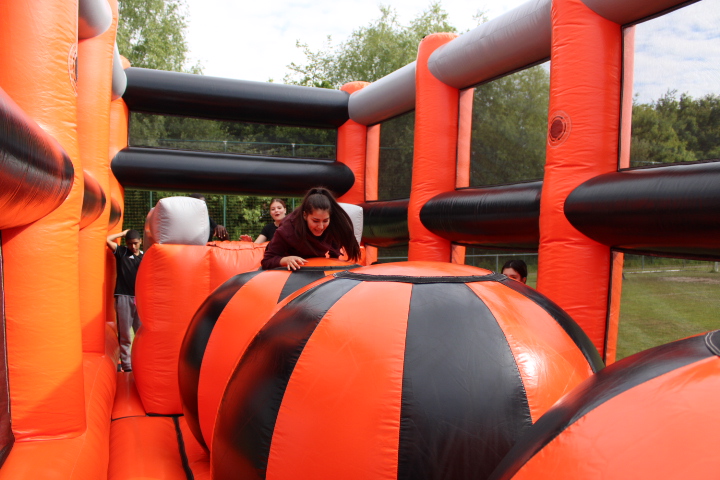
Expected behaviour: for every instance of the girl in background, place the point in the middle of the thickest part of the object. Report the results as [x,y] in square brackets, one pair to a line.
[278,209]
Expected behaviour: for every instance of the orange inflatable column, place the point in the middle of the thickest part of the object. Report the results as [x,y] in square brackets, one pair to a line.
[372,163]
[119,119]
[351,150]
[95,59]
[38,45]
[618,258]
[434,161]
[462,176]
[585,83]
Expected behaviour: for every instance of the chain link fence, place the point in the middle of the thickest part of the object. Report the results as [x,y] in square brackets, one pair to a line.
[240,214]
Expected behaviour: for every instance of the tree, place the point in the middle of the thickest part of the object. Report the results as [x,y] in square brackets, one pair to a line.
[371,52]
[151,34]
[508,128]
[672,130]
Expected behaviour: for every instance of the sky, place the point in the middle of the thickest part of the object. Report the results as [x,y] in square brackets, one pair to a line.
[255,40]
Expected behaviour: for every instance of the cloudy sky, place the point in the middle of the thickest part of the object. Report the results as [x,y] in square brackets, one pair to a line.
[255,40]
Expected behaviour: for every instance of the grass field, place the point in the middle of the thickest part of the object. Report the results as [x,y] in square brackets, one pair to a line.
[661,306]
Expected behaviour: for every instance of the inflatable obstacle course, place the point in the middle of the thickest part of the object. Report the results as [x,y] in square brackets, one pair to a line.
[65,100]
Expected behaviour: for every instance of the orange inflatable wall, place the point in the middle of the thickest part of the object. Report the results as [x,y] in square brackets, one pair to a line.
[351,150]
[95,59]
[45,362]
[435,155]
[584,121]
[172,282]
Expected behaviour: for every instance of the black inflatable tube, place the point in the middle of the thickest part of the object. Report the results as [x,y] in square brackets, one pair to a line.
[93,200]
[385,224]
[669,210]
[116,212]
[188,95]
[504,216]
[36,174]
[184,171]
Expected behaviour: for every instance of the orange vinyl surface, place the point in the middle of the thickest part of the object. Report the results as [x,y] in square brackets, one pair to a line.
[82,457]
[435,150]
[95,58]
[172,283]
[585,95]
[145,448]
[255,303]
[198,458]
[549,362]
[665,428]
[127,400]
[44,343]
[351,150]
[366,352]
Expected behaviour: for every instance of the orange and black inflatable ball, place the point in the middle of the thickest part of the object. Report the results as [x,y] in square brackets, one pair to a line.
[413,370]
[652,415]
[224,325]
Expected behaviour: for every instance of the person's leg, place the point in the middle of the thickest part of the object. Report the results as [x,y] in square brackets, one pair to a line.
[124,304]
[135,317]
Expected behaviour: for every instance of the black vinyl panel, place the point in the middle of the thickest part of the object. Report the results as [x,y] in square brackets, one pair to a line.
[305,276]
[188,95]
[464,403]
[183,171]
[7,438]
[385,224]
[93,200]
[505,216]
[192,349]
[36,174]
[608,383]
[573,330]
[183,453]
[670,210]
[253,396]
[115,213]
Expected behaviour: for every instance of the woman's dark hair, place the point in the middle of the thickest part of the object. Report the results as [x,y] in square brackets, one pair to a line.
[278,200]
[340,230]
[518,265]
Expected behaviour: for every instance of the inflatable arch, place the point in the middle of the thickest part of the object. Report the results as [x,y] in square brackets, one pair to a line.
[65,101]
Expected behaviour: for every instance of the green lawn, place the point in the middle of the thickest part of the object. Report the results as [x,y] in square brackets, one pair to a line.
[657,308]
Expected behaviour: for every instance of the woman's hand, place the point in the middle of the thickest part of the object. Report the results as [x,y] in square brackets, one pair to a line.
[246,238]
[292,262]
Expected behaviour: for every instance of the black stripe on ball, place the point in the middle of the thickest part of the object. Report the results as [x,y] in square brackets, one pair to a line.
[197,336]
[464,402]
[608,383]
[252,399]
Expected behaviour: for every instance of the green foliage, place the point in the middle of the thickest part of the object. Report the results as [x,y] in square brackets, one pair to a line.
[672,130]
[370,53]
[508,128]
[396,157]
[241,215]
[151,34]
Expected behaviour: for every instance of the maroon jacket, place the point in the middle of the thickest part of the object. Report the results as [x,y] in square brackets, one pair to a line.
[286,242]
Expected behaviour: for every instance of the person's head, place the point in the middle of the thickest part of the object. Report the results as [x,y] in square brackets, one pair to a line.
[278,209]
[515,269]
[320,214]
[199,196]
[133,241]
